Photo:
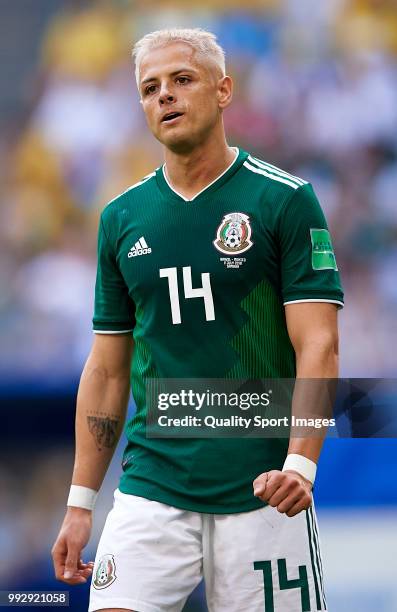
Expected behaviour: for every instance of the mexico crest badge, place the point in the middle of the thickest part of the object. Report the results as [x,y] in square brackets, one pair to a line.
[233,235]
[105,572]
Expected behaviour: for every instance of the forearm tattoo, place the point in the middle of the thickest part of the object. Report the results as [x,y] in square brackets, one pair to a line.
[104,429]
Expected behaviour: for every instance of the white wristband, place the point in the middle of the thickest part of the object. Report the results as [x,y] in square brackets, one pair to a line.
[304,466]
[82,497]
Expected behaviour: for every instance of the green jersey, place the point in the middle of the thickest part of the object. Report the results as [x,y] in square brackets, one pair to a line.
[202,285]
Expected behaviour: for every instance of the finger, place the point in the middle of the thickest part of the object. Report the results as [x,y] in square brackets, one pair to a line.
[86,573]
[302,504]
[59,549]
[290,500]
[76,579]
[272,485]
[85,569]
[259,484]
[82,565]
[59,564]
[296,508]
[279,496]
[71,563]
[290,489]
[79,577]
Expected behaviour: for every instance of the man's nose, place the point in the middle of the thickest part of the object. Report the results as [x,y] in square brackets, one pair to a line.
[166,95]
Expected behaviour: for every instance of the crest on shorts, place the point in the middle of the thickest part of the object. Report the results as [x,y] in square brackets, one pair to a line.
[234,234]
[105,573]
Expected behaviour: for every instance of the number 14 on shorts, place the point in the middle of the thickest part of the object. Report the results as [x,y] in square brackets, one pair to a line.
[284,583]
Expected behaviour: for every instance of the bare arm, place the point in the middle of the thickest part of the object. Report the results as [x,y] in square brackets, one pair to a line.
[102,402]
[313,331]
[100,414]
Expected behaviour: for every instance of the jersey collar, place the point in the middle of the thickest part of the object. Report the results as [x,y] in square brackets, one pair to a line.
[168,191]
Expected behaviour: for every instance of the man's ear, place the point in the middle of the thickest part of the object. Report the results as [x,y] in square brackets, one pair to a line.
[225,91]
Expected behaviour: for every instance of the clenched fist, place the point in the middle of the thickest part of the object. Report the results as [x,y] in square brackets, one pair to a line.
[288,491]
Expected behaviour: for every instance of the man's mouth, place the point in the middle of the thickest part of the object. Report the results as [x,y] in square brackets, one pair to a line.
[170,116]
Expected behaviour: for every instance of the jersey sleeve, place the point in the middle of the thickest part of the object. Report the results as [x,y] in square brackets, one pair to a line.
[113,309]
[309,272]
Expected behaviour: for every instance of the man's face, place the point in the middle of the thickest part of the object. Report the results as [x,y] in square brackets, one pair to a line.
[182,95]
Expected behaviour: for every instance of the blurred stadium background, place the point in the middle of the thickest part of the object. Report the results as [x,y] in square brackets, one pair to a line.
[315,93]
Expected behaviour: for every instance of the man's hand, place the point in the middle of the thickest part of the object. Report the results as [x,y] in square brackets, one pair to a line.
[288,491]
[66,552]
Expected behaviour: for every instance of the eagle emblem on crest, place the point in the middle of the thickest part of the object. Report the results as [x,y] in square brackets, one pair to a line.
[234,234]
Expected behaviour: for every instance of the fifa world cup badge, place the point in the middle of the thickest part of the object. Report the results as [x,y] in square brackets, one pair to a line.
[233,235]
[105,573]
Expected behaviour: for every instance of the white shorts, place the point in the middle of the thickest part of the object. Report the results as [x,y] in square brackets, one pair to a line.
[151,557]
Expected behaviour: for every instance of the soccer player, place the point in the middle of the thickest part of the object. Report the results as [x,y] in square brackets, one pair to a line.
[216,265]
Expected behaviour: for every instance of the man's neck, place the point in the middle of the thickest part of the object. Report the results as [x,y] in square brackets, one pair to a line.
[190,173]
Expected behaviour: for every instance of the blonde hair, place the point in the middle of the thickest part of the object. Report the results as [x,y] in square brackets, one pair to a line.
[202,41]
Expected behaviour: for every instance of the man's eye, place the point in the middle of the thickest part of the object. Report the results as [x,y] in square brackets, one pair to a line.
[150,89]
[182,80]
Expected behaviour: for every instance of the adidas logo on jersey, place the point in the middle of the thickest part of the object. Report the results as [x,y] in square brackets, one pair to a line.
[139,248]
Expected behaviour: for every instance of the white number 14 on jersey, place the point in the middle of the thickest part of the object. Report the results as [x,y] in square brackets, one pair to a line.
[199,292]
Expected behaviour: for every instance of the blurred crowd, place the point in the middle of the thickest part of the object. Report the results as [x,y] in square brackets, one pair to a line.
[315,93]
